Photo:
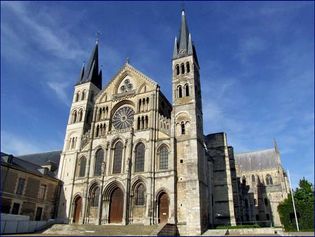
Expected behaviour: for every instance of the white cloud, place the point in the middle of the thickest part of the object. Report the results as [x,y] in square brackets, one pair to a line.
[16,145]
[60,89]
[50,37]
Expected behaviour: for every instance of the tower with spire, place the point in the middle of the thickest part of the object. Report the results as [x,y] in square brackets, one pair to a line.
[79,123]
[192,187]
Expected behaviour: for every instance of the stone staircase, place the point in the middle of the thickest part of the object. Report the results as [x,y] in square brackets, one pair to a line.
[165,229]
[98,230]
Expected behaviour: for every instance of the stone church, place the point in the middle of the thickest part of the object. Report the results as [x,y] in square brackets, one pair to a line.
[131,156]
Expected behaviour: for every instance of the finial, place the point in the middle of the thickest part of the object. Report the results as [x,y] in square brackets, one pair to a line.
[97,36]
[183,8]
[127,60]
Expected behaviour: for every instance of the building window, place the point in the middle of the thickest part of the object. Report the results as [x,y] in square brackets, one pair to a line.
[180,92]
[140,192]
[82,165]
[163,165]
[139,157]
[20,186]
[95,196]
[42,191]
[77,95]
[83,95]
[253,178]
[269,179]
[182,126]
[177,69]
[117,157]
[38,215]
[186,89]
[15,208]
[80,115]
[99,158]
[187,67]
[74,116]
[183,68]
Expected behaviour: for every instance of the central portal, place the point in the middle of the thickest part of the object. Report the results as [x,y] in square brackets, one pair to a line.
[116,206]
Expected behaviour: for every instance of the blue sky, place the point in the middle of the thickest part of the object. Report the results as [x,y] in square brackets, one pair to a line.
[256,58]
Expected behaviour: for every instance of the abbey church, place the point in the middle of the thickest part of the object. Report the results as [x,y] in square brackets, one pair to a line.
[131,156]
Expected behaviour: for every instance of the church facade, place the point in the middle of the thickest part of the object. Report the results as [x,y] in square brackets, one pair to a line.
[131,156]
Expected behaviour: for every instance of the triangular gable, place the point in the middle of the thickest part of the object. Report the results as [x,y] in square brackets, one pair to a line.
[138,79]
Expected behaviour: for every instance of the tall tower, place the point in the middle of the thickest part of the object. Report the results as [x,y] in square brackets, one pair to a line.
[192,194]
[78,127]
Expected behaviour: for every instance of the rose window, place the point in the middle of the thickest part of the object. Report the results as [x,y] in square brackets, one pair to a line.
[123,118]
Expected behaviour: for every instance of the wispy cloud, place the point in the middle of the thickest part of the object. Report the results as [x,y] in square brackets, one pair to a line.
[60,89]
[48,34]
[16,145]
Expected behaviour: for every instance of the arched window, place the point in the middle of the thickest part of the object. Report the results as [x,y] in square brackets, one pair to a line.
[163,164]
[77,95]
[253,178]
[183,68]
[177,69]
[99,158]
[139,157]
[82,165]
[180,92]
[80,115]
[95,193]
[186,89]
[117,157]
[269,179]
[140,195]
[74,116]
[83,95]
[182,128]
[187,67]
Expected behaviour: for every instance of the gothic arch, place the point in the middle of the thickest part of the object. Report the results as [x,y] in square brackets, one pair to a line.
[110,188]
[142,88]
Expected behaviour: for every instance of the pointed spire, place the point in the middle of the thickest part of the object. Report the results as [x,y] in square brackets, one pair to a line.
[90,72]
[175,52]
[183,35]
[190,45]
[184,45]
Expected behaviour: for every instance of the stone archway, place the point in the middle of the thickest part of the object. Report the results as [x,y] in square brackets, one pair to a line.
[77,209]
[163,207]
[116,206]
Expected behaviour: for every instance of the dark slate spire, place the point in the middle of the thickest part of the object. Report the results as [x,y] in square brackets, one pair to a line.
[183,34]
[184,45]
[90,72]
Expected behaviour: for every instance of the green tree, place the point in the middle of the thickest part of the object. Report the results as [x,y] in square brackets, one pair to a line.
[304,202]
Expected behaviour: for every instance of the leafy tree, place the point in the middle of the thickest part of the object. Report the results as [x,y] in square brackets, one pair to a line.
[304,203]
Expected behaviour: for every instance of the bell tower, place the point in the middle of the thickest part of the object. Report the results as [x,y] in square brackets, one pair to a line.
[192,209]
[78,131]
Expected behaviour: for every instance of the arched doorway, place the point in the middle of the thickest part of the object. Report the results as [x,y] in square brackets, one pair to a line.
[77,209]
[163,203]
[116,206]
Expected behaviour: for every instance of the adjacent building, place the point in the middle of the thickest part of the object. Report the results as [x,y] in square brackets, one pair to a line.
[29,189]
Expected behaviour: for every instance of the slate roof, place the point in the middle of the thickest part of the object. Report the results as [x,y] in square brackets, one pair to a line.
[42,158]
[258,160]
[27,166]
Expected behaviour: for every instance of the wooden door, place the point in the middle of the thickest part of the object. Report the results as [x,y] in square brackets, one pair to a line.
[77,210]
[163,208]
[116,207]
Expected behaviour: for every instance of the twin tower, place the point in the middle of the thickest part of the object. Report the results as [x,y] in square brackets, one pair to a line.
[130,156]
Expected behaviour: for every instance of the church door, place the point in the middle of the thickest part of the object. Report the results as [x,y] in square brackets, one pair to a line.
[163,208]
[77,210]
[116,206]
